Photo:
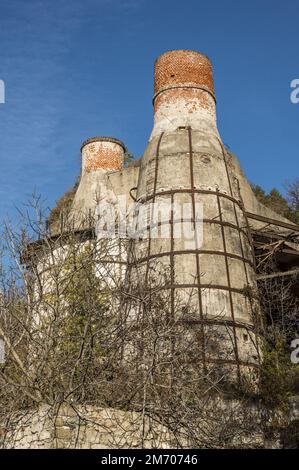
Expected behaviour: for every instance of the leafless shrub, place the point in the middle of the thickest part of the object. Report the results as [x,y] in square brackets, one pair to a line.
[76,335]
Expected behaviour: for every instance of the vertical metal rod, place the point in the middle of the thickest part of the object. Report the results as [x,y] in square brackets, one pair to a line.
[202,329]
[153,201]
[254,264]
[229,291]
[172,256]
[248,234]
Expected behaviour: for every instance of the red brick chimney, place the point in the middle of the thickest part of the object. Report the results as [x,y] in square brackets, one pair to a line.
[106,153]
[184,91]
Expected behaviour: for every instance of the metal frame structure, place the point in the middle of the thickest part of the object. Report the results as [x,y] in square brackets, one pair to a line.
[199,286]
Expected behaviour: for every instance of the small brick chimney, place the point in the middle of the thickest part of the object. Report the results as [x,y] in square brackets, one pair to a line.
[106,153]
[183,91]
[100,156]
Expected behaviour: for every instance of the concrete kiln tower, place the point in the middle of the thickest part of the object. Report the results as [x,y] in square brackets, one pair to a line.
[100,156]
[186,162]
[213,274]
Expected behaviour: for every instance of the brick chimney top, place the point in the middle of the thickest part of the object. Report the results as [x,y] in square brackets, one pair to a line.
[183,69]
[184,93]
[105,153]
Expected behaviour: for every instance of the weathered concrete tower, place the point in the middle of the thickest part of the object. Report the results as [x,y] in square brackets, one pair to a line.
[100,157]
[185,162]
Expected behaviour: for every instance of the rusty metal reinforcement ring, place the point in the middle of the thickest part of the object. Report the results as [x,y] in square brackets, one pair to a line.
[173,87]
[104,139]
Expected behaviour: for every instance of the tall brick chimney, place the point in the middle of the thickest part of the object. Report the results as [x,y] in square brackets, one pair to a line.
[184,92]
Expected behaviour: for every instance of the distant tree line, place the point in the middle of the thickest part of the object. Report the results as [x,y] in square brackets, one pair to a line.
[287,206]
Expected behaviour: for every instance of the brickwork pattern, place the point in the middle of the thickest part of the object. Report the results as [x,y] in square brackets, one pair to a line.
[107,155]
[183,67]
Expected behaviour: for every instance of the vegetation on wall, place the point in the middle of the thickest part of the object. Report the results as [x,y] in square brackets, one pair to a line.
[64,203]
[280,309]
[65,312]
[63,206]
[71,338]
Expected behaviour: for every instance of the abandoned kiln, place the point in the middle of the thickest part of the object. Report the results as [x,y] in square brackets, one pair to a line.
[185,161]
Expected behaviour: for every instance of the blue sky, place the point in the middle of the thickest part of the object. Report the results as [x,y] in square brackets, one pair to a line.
[75,69]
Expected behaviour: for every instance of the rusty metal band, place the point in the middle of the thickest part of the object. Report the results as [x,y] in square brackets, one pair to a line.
[203,339]
[220,322]
[194,252]
[104,139]
[130,192]
[191,220]
[187,191]
[175,87]
[207,286]
[230,292]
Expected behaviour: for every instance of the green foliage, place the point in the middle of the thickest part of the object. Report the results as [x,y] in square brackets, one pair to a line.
[63,206]
[85,302]
[277,377]
[260,193]
[128,158]
[290,436]
[77,325]
[277,202]
[248,292]
[293,198]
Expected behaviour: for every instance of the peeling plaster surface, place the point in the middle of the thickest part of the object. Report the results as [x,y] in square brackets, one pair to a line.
[185,107]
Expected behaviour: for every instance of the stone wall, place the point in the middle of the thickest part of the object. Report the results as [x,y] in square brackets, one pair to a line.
[81,428]
[89,427]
